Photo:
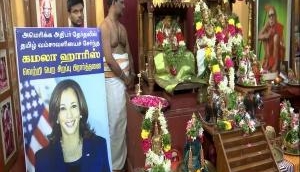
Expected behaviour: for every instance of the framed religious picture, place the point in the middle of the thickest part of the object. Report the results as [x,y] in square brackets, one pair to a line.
[4,79]
[2,33]
[7,130]
[46,13]
[273,33]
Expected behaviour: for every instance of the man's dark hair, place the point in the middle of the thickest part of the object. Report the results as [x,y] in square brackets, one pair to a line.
[71,3]
[109,2]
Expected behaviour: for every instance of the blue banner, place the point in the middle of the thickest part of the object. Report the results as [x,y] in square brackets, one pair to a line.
[51,62]
[57,52]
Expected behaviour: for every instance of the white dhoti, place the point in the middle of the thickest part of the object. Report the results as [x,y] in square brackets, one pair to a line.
[117,116]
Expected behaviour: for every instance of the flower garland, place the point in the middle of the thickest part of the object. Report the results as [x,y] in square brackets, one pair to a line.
[219,34]
[245,122]
[211,56]
[149,101]
[225,43]
[194,128]
[290,128]
[170,39]
[194,133]
[201,37]
[235,36]
[154,160]
[290,120]
[172,36]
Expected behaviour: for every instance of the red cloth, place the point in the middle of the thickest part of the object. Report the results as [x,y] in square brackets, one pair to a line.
[47,22]
[278,30]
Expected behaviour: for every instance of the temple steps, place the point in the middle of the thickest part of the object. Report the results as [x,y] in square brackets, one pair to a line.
[245,153]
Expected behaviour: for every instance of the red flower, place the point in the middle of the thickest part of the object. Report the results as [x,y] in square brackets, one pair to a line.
[218,77]
[179,36]
[160,37]
[146,145]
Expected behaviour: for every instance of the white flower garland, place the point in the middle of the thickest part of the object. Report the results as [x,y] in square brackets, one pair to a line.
[234,40]
[209,41]
[223,86]
[231,78]
[152,158]
[197,7]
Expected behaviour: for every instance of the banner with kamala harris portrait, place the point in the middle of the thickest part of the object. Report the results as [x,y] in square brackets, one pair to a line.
[63,99]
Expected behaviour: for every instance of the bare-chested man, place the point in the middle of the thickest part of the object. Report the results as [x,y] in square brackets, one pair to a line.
[119,74]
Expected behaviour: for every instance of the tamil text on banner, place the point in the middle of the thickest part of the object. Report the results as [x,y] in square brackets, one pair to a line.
[47,58]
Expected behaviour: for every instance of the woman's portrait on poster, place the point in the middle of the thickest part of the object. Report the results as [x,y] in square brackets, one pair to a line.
[73,145]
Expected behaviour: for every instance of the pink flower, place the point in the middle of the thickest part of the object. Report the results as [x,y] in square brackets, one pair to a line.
[282,105]
[251,123]
[220,36]
[189,125]
[200,33]
[231,29]
[218,77]
[228,62]
[146,145]
[149,101]
[168,155]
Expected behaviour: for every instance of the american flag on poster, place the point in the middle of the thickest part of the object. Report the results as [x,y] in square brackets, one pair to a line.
[36,124]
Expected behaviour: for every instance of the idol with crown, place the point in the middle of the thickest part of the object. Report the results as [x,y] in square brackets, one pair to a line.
[193,159]
[174,63]
[156,141]
[220,49]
